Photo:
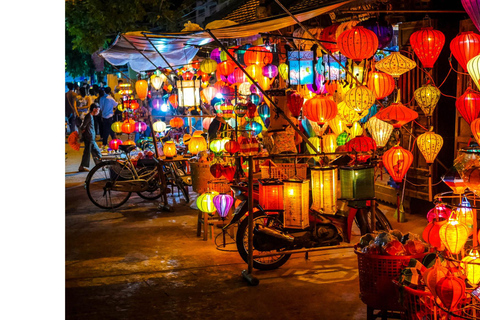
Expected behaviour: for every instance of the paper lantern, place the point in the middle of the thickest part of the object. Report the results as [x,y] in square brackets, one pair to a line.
[215,55]
[206,123]
[128,126]
[228,172]
[205,202]
[464,47]
[397,114]
[371,112]
[450,290]
[324,189]
[473,68]
[337,125]
[361,144]
[427,97]
[472,7]
[244,89]
[431,234]
[397,161]
[454,235]
[433,275]
[188,94]
[468,105]
[140,126]
[342,139]
[380,83]
[232,146]
[348,115]
[197,144]
[270,71]
[355,130]
[176,122]
[117,126]
[320,109]
[329,34]
[283,71]
[254,71]
[395,64]
[454,181]
[382,29]
[357,182]
[226,67]
[439,212]
[223,203]
[464,214]
[357,43]
[359,98]
[186,138]
[216,170]
[270,194]
[294,103]
[429,144]
[157,81]
[216,145]
[169,149]
[159,126]
[208,66]
[257,56]
[427,44]
[471,267]
[141,87]
[296,200]
[115,143]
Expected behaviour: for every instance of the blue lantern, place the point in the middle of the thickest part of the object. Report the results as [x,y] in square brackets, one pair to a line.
[371,112]
[301,67]
[255,127]
[263,111]
[255,98]
[308,128]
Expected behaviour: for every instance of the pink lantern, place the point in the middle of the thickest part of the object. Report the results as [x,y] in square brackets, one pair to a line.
[473,10]
[206,123]
[440,212]
[115,143]
[270,71]
[140,126]
[223,203]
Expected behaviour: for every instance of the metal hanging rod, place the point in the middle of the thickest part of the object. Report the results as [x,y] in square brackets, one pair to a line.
[402,11]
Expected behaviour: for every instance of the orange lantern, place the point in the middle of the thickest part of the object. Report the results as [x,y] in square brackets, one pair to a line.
[397,114]
[176,122]
[197,143]
[475,127]
[257,55]
[431,234]
[141,87]
[270,194]
[468,105]
[128,126]
[169,149]
[264,82]
[329,34]
[454,235]
[464,47]
[208,66]
[195,64]
[254,71]
[239,76]
[380,83]
[450,290]
[397,161]
[226,67]
[232,146]
[357,43]
[433,275]
[134,105]
[429,144]
[395,64]
[359,98]
[320,109]
[128,142]
[173,100]
[427,44]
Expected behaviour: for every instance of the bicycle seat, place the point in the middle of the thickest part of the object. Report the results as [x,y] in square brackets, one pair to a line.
[127,149]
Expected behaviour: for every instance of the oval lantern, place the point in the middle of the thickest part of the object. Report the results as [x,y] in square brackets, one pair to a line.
[473,68]
[244,88]
[257,55]
[429,144]
[319,84]
[397,114]
[468,105]
[216,170]
[431,234]
[223,203]
[176,122]
[128,126]
[255,127]
[208,66]
[329,34]
[464,47]
[382,29]
[427,97]
[433,275]
[226,67]
[283,70]
[317,143]
[329,143]
[320,109]
[395,64]
[206,123]
[240,110]
[427,44]
[115,143]
[397,161]
[159,126]
[472,7]
[337,125]
[216,145]
[359,98]
[454,235]
[157,81]
[141,87]
[475,127]
[357,43]
[209,93]
[205,202]
[169,149]
[471,267]
[128,142]
[140,126]
[216,55]
[464,214]
[294,103]
[232,146]
[450,290]
[117,126]
[270,71]
[380,83]
[239,76]
[361,144]
[254,71]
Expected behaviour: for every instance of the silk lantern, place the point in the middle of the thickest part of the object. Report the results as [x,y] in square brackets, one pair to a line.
[209,93]
[427,44]
[157,81]
[140,126]
[129,142]
[361,144]
[296,201]
[464,47]
[429,144]
[176,122]
[397,161]
[169,149]
[439,212]
[342,139]
[206,123]
[128,126]
[264,111]
[228,172]
[454,235]
[472,7]
[205,202]
[433,275]
[240,110]
[397,114]
[427,97]
[115,143]
[357,43]
[159,126]
[320,109]
[471,267]
[216,170]
[359,98]
[319,84]
[270,194]
[348,115]
[283,71]
[431,234]
[223,203]
[337,125]
[197,144]
[450,290]
[208,66]
[395,64]
[244,89]
[294,103]
[380,83]
[382,29]
[473,68]
[215,55]
[141,87]
[257,56]
[329,34]
[270,71]
[117,126]
[344,26]
[468,105]
[239,76]
[232,146]
[186,138]
[464,214]
[329,144]
[216,145]
[254,71]
[324,189]
[355,130]
[226,67]
[357,182]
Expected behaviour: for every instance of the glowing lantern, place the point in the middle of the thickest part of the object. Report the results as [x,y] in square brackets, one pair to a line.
[440,212]
[232,146]
[270,71]
[427,44]
[294,103]
[454,181]
[205,202]
[337,125]
[345,26]
[471,267]
[244,89]
[264,82]
[223,203]
[206,123]
[128,142]
[475,127]
[254,71]
[141,87]
[195,64]
[324,189]
[454,235]
[357,43]
[241,52]
[329,34]
[128,126]
[397,114]
[264,111]
[209,93]
[115,143]
[229,172]
[176,122]
[240,110]
[249,146]
[216,170]
[316,142]
[320,109]
[357,182]
[226,67]
[382,29]
[216,145]
[197,144]
[159,126]
[186,138]
[450,290]
[296,200]
[329,143]
[397,161]
[429,144]
[255,127]
[361,144]
[427,97]
[472,7]
[188,93]
[380,83]
[134,105]
[157,81]
[239,76]
[348,115]
[464,214]
[188,75]
[140,126]
[468,105]
[208,66]
[300,67]
[379,130]
[257,55]
[342,139]
[395,64]
[473,68]
[283,70]
[169,149]
[173,100]
[433,275]
[197,133]
[464,47]
[431,234]
[117,127]
[215,55]
[270,194]
[356,129]
[359,98]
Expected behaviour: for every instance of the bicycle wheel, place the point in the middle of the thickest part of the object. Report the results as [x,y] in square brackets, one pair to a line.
[156,187]
[100,181]
[184,188]
[364,220]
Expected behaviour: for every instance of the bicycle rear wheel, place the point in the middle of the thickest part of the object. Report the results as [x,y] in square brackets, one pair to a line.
[156,189]
[100,181]
[364,221]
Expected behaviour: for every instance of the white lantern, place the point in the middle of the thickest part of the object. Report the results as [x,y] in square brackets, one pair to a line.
[188,93]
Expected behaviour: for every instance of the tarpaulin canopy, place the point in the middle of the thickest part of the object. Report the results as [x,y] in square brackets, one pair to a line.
[180,48]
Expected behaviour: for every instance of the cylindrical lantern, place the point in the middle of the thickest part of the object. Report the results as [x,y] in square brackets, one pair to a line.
[320,109]
[296,200]
[115,143]
[473,68]
[380,83]
[397,114]
[454,235]
[159,126]
[464,47]
[270,194]
[468,105]
[141,87]
[223,203]
[205,202]
[397,161]
[188,93]
[357,182]
[208,66]
[324,189]
[357,43]
[471,267]
[427,97]
[169,149]
[197,144]
[395,64]
[427,44]
[359,98]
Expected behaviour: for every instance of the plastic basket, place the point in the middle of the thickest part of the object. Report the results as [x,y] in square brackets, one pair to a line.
[375,273]
[283,171]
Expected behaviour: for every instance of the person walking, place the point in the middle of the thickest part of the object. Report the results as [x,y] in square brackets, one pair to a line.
[107,105]
[88,134]
[71,111]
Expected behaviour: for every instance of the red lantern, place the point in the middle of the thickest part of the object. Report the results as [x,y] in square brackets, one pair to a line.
[232,146]
[464,47]
[239,76]
[294,103]
[173,100]
[397,161]
[251,109]
[468,104]
[260,56]
[228,172]
[270,194]
[380,83]
[188,75]
[427,44]
[357,43]
[320,109]
[128,126]
[397,114]
[450,290]
[176,122]
[115,143]
[226,67]
[216,170]
[328,34]
[361,144]
[195,64]
[431,234]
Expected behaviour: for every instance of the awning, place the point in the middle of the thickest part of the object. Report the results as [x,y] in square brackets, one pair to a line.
[180,48]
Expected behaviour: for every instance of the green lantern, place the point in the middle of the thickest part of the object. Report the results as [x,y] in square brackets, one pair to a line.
[343,138]
[357,182]
[216,145]
[205,202]
[117,127]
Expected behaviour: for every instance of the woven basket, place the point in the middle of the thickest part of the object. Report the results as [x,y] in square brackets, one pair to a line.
[283,171]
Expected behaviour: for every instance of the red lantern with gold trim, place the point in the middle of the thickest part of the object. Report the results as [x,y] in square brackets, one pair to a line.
[380,83]
[176,122]
[329,34]
[397,161]
[294,103]
[464,47]
[320,109]
[427,44]
[397,114]
[468,105]
[357,43]
[260,56]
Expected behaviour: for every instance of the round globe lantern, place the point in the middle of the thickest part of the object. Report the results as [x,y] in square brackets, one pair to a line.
[464,47]
[320,109]
[427,44]
[357,43]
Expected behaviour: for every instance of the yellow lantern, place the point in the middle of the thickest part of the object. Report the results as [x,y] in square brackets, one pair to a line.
[317,144]
[264,82]
[117,127]
[473,68]
[324,189]
[169,149]
[283,71]
[197,133]
[454,235]
[205,202]
[159,126]
[197,144]
[356,130]
[157,81]
[429,145]
[337,125]
[348,115]
[359,98]
[471,267]
[395,64]
[254,71]
[224,142]
[329,144]
[216,145]
[141,87]
[208,66]
[427,98]
[305,93]
[296,200]
[464,214]
[379,130]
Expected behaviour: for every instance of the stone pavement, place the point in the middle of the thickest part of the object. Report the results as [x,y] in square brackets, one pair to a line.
[136,262]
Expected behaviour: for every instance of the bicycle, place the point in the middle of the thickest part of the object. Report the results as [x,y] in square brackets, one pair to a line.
[110,183]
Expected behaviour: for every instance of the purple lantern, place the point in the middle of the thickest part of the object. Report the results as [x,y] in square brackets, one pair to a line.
[319,81]
[215,55]
[381,28]
[473,10]
[254,89]
[231,78]
[440,212]
[156,104]
[140,126]
[223,203]
[270,71]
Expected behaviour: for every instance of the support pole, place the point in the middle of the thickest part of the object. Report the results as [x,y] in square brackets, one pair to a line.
[140,52]
[161,56]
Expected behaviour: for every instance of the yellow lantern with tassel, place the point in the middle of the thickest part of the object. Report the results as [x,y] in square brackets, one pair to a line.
[454,235]
[427,98]
[429,144]
[471,267]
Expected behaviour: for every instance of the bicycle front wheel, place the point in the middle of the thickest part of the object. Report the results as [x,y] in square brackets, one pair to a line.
[100,181]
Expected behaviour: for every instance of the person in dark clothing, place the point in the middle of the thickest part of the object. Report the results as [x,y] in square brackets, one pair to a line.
[88,134]
[216,126]
[71,111]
